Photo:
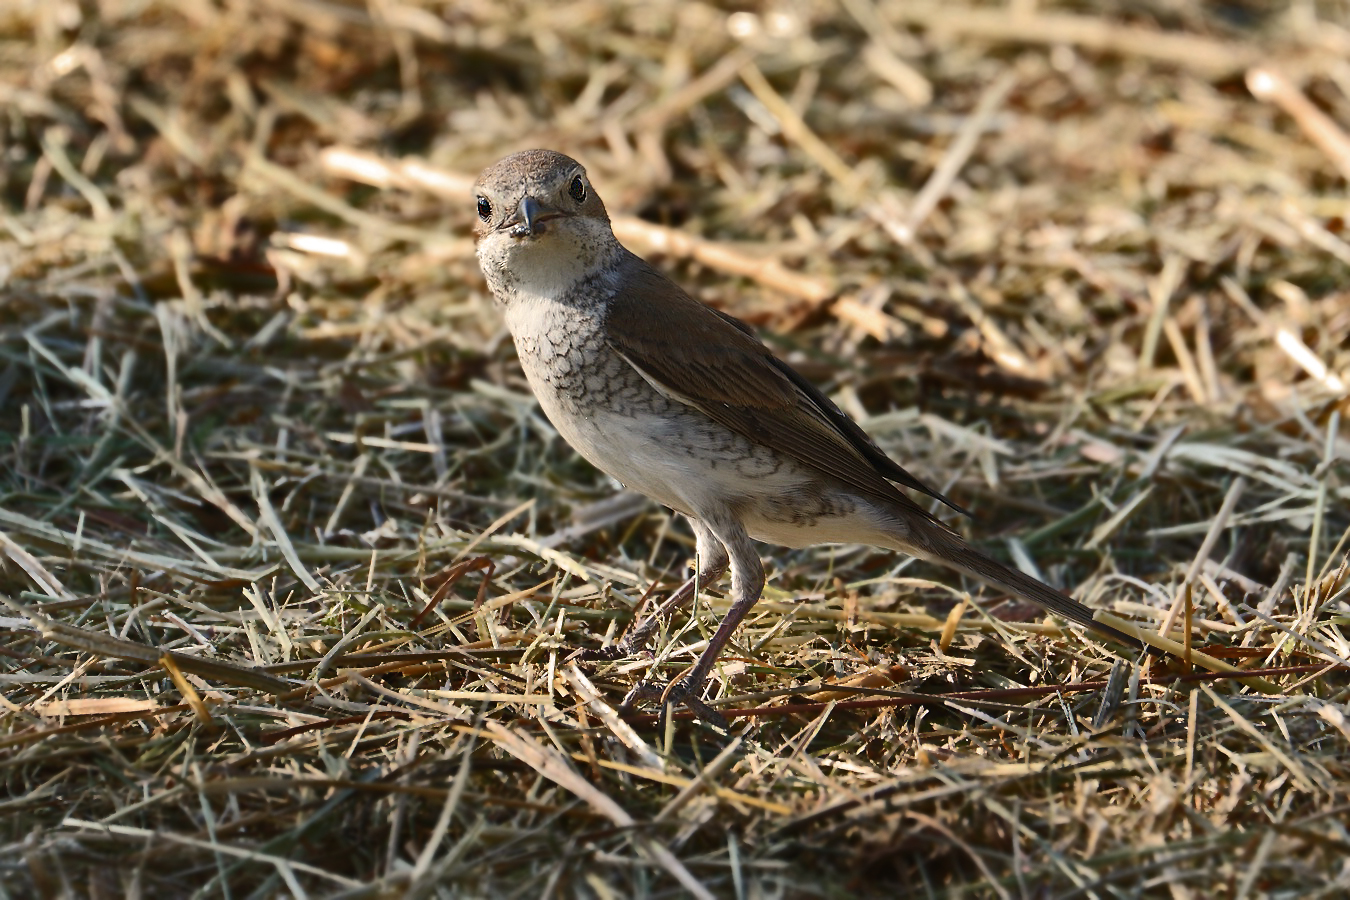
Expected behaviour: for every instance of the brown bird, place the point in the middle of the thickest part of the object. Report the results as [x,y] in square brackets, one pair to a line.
[683,403]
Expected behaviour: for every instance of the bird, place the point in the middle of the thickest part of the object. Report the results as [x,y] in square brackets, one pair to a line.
[683,403]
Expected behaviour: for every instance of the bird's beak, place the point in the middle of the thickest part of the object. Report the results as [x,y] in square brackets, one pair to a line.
[530,215]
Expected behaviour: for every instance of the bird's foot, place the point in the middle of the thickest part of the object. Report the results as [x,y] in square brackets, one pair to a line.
[601,654]
[631,645]
[643,692]
[681,691]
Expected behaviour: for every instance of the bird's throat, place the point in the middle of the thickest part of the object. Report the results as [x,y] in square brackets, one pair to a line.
[548,266]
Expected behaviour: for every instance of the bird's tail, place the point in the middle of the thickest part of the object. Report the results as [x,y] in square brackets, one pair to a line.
[951,551]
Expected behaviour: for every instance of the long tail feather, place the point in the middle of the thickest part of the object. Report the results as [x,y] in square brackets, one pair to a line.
[949,550]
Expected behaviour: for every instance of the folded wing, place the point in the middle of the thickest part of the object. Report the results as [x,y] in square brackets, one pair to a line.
[724,371]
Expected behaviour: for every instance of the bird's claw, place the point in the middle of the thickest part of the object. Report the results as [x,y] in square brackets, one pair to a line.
[642,692]
[629,646]
[602,654]
[680,692]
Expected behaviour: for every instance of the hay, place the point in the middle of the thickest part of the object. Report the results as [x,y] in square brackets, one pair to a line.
[292,567]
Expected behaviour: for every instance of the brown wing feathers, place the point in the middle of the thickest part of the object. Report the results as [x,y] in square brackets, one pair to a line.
[723,374]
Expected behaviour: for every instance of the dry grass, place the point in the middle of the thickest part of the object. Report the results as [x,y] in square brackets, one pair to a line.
[292,565]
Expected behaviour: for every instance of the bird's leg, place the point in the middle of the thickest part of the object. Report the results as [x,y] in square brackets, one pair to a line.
[711,562]
[747,583]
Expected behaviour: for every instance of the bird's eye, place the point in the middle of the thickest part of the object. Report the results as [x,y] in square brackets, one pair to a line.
[577,189]
[484,209]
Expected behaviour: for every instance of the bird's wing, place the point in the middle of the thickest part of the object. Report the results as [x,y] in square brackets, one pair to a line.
[724,371]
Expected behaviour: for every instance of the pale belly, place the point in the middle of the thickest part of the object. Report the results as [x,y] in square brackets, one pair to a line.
[697,467]
[675,454]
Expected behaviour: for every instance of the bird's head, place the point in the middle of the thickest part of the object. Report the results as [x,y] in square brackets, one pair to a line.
[541,226]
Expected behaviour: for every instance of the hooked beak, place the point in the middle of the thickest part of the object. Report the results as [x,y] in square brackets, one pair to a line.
[530,217]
